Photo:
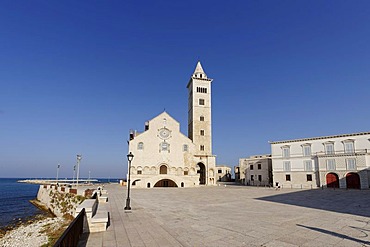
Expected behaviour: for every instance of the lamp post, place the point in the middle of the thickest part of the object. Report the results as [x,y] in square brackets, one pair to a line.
[130,156]
[58,172]
[74,173]
[79,157]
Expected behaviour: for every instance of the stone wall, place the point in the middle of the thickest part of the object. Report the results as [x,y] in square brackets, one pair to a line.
[60,200]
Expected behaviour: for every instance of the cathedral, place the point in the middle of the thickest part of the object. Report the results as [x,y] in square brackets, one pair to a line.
[164,157]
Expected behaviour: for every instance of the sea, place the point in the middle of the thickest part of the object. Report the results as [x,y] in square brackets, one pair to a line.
[14,200]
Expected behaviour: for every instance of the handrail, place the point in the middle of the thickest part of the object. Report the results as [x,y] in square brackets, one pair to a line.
[71,235]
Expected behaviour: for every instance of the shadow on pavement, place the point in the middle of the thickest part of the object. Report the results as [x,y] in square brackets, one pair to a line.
[355,202]
[335,234]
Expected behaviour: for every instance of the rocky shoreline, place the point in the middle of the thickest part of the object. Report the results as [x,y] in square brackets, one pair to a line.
[33,232]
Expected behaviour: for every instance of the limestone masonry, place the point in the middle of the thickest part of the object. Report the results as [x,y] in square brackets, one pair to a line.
[164,157]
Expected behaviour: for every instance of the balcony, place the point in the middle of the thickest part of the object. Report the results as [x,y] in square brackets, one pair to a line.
[343,153]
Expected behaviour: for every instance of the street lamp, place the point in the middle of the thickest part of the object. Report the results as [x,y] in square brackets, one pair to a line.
[130,157]
[74,174]
[58,172]
[79,157]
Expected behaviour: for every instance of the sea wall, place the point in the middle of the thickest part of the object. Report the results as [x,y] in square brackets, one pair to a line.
[60,200]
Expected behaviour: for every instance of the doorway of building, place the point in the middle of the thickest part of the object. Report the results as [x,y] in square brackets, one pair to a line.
[202,173]
[332,180]
[353,181]
[165,183]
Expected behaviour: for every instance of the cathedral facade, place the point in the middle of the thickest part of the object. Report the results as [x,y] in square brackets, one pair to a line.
[164,157]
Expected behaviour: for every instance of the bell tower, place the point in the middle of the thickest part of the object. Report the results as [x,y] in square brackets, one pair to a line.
[199,113]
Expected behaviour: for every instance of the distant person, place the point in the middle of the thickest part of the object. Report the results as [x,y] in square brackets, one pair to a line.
[277,186]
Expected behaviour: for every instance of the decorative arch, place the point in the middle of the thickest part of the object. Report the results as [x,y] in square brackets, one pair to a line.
[179,171]
[135,181]
[165,183]
[139,170]
[146,170]
[153,170]
[332,180]
[353,180]
[163,169]
[202,173]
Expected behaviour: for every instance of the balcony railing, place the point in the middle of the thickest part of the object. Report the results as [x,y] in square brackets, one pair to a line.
[343,152]
[323,153]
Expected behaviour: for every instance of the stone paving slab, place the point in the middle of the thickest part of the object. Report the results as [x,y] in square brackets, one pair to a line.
[236,216]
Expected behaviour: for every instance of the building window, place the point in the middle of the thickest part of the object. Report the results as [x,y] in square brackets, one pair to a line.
[330,165]
[202,132]
[351,164]
[185,148]
[163,169]
[349,147]
[201,89]
[286,152]
[140,146]
[219,171]
[287,177]
[260,178]
[309,177]
[307,165]
[329,148]
[201,101]
[306,150]
[139,172]
[259,166]
[186,173]
[252,177]
[286,165]
[251,167]
[164,146]
[201,118]
[201,147]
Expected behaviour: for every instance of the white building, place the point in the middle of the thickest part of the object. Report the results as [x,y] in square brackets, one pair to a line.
[340,161]
[164,157]
[223,173]
[256,170]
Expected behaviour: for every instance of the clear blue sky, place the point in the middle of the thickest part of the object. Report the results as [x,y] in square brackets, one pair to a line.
[75,76]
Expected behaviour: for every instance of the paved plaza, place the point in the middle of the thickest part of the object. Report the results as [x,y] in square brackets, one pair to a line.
[236,216]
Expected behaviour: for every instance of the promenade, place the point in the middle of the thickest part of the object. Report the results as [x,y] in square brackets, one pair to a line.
[236,216]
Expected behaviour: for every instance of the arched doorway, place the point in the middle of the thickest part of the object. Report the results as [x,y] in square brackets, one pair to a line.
[353,181]
[165,183]
[202,173]
[332,180]
[163,169]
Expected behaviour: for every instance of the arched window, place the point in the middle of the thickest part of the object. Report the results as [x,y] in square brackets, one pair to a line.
[140,146]
[163,169]
[139,170]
